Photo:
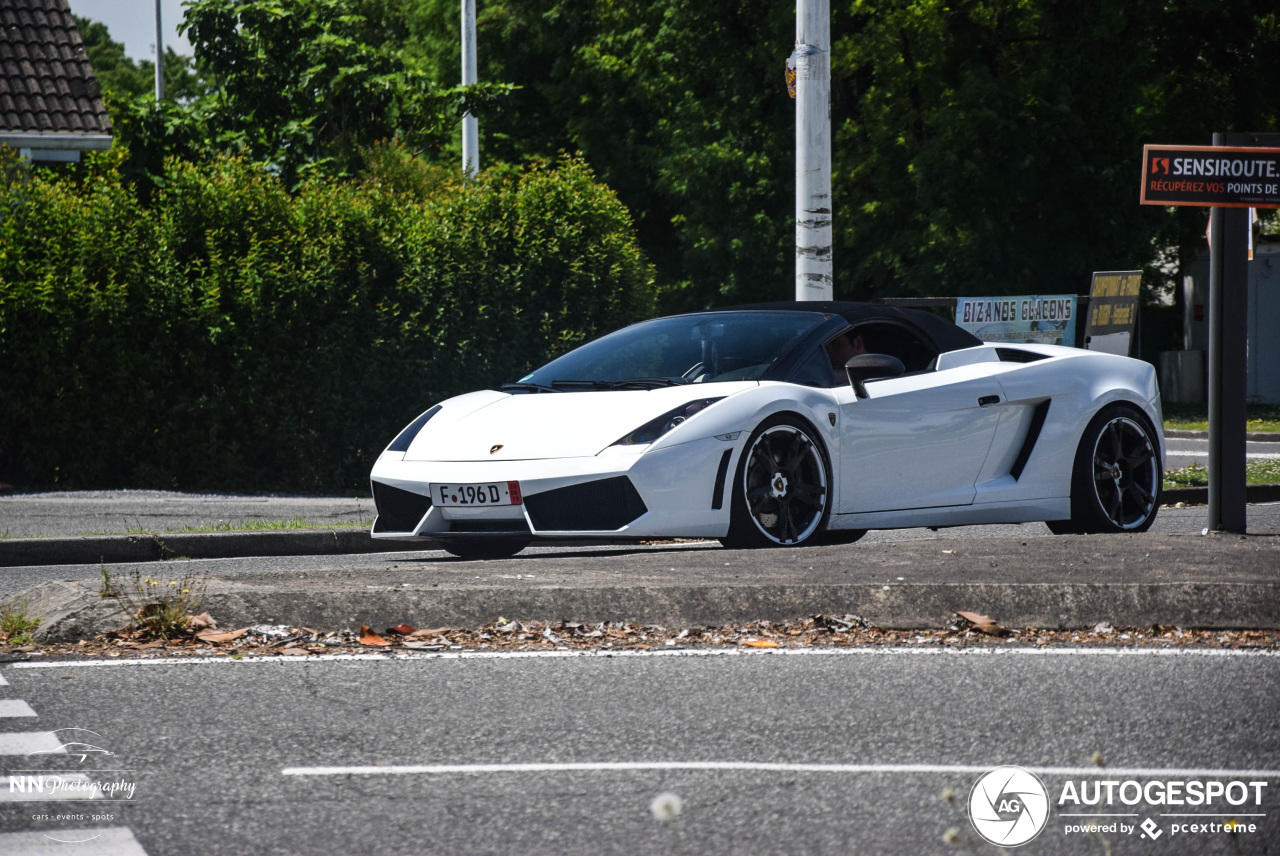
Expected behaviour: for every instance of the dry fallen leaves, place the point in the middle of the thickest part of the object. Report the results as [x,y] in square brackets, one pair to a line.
[983,623]
[368,637]
[761,643]
[227,636]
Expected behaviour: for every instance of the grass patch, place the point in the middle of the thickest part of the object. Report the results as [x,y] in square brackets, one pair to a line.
[17,622]
[241,526]
[1195,417]
[1255,472]
[159,608]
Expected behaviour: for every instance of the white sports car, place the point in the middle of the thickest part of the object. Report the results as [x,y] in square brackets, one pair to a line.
[780,424]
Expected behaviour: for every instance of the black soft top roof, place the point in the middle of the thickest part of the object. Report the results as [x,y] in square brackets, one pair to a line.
[947,336]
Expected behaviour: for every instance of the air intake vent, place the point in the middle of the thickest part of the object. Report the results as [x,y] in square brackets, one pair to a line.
[398,510]
[1017,355]
[604,506]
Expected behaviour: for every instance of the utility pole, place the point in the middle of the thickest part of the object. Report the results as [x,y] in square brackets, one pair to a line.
[470,127]
[159,56]
[813,150]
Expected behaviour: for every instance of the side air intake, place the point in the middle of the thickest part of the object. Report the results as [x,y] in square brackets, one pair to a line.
[398,510]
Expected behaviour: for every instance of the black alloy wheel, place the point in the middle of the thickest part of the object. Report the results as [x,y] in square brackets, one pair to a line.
[782,491]
[1116,478]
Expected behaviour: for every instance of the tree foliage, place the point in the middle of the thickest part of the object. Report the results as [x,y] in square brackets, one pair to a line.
[123,78]
[236,335]
[987,146]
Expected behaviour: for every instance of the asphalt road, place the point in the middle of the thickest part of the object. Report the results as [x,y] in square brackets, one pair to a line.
[230,757]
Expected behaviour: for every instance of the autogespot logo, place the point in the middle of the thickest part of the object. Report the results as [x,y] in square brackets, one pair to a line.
[1008,806]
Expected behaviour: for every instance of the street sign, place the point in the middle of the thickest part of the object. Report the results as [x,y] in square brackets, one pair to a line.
[1030,318]
[1211,176]
[1113,311]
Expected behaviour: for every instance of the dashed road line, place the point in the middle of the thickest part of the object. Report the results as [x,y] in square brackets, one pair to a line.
[26,742]
[50,787]
[15,707]
[104,841]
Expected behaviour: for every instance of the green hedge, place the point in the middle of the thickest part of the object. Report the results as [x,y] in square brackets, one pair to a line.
[236,336]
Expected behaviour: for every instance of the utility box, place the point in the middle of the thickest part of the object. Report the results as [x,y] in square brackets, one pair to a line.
[1264,320]
[1182,377]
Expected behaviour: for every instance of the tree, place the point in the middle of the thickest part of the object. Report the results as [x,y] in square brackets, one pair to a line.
[985,146]
[121,78]
[304,84]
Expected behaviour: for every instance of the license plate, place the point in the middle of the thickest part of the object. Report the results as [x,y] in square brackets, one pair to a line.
[474,495]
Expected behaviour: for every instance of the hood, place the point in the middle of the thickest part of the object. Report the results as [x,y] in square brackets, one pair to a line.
[531,426]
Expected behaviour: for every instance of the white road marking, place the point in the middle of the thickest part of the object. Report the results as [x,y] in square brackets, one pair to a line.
[81,787]
[24,743]
[94,841]
[1196,453]
[15,707]
[921,650]
[3,682]
[749,766]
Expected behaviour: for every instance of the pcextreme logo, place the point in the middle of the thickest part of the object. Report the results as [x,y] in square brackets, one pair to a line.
[1008,806]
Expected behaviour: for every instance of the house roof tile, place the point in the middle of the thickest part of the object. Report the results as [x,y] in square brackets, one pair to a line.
[46,83]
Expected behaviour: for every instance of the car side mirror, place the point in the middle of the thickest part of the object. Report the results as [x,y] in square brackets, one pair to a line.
[865,367]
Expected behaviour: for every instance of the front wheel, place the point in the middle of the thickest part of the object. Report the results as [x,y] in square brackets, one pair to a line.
[782,489]
[489,548]
[1116,478]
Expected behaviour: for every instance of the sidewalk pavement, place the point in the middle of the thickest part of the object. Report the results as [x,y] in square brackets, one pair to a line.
[77,522]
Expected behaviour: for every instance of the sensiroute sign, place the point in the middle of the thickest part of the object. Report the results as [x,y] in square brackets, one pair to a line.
[1209,176]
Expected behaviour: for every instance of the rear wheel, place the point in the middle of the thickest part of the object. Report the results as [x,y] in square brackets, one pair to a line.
[491,548]
[782,490]
[1115,481]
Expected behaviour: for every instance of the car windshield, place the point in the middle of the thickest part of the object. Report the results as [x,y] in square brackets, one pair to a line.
[721,346]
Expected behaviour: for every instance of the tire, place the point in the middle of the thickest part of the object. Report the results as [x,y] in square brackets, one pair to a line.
[1116,477]
[494,548]
[782,488]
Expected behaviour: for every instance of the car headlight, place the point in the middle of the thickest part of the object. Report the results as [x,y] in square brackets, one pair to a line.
[405,437]
[652,430]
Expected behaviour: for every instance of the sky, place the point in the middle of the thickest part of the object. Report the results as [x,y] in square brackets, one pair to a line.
[133,23]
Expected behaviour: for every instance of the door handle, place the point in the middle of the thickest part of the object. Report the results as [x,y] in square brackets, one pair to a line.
[988,399]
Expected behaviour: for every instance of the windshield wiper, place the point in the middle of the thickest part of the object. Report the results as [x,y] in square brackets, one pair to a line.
[625,383]
[527,387]
[646,382]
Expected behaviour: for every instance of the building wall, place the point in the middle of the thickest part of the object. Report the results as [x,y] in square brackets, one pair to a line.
[1264,318]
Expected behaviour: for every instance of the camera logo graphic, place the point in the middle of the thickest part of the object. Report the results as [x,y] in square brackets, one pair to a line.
[1008,806]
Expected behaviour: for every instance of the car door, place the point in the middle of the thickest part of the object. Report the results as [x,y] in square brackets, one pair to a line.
[917,441]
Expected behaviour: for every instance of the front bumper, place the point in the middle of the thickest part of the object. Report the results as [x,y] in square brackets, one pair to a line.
[620,493]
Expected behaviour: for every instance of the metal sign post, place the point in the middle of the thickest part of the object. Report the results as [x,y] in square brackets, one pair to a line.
[470,127]
[1240,171]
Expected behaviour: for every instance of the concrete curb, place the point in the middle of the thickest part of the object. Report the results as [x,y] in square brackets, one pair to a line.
[1251,436]
[110,549]
[71,612]
[1066,582]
